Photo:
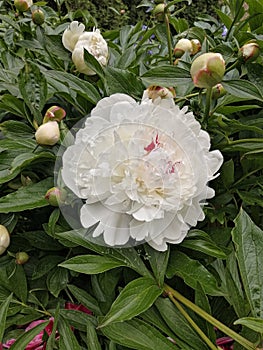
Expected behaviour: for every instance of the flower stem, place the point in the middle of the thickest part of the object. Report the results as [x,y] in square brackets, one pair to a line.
[234,20]
[228,331]
[208,103]
[169,40]
[193,324]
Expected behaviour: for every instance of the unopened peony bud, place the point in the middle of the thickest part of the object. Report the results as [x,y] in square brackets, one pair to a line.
[21,258]
[218,91]
[207,70]
[48,134]
[196,46]
[159,11]
[54,113]
[38,17]
[23,5]
[4,239]
[56,196]
[182,46]
[250,51]
[154,92]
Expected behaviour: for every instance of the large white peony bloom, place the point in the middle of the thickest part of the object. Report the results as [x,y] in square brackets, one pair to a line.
[96,46]
[142,170]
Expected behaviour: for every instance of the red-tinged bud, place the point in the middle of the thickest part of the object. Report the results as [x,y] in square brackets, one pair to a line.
[196,46]
[38,17]
[21,258]
[250,51]
[218,91]
[181,47]
[54,113]
[159,11]
[23,5]
[48,134]
[4,239]
[207,70]
[154,92]
[56,196]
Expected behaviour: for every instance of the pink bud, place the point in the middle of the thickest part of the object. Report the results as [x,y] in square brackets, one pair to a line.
[54,113]
[56,196]
[250,51]
[207,70]
[182,46]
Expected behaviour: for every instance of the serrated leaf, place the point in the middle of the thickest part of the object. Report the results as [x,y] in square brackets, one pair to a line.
[192,272]
[28,197]
[3,314]
[247,238]
[136,297]
[256,324]
[137,335]
[26,337]
[91,264]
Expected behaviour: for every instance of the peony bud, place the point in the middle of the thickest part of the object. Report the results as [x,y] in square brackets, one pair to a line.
[54,113]
[4,239]
[154,92]
[250,51]
[207,70]
[182,46]
[56,196]
[48,134]
[158,11]
[196,46]
[218,91]
[38,17]
[23,5]
[21,258]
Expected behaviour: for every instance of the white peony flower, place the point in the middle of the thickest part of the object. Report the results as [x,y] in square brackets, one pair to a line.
[96,46]
[72,34]
[142,170]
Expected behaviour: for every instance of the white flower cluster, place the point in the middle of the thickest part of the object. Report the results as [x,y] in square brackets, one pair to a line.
[142,170]
[76,39]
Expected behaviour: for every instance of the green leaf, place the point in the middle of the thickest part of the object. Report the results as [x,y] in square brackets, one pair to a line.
[158,261]
[67,338]
[205,246]
[243,88]
[57,280]
[137,335]
[28,197]
[91,264]
[192,272]
[136,297]
[227,173]
[50,345]
[26,337]
[123,81]
[78,319]
[85,299]
[45,265]
[14,129]
[18,281]
[178,324]
[127,256]
[92,338]
[247,238]
[93,64]
[167,76]
[3,313]
[256,324]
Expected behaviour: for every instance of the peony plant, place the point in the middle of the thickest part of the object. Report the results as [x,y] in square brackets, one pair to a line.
[131,177]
